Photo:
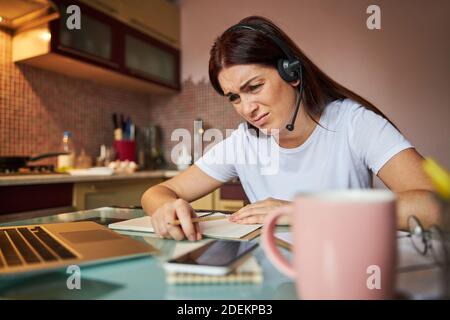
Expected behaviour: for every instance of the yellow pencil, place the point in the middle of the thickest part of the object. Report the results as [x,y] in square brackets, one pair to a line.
[201,219]
[439,176]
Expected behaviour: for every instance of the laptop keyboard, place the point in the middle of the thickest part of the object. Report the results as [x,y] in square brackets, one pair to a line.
[23,245]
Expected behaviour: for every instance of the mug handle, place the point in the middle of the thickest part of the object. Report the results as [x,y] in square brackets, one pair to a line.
[269,244]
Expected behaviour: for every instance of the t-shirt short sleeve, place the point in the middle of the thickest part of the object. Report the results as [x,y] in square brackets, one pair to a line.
[219,161]
[374,139]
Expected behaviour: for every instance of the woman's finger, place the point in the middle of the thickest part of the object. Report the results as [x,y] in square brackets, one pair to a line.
[174,230]
[184,214]
[198,233]
[155,227]
[163,229]
[251,212]
[259,204]
[255,219]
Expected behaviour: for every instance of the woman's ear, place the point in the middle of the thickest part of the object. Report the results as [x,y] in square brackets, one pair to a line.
[295,83]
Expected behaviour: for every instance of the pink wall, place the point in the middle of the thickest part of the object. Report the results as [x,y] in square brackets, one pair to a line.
[404,68]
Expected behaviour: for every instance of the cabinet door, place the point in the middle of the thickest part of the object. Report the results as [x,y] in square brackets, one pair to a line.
[159,19]
[151,61]
[93,41]
[109,7]
[90,195]
[139,61]
[207,202]
[230,197]
[227,205]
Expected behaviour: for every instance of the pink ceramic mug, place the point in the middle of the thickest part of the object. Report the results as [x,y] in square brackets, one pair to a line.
[344,244]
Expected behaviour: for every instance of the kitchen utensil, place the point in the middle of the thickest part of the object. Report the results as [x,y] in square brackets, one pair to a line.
[16,162]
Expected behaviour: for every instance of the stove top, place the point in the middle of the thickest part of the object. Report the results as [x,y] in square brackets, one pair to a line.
[28,170]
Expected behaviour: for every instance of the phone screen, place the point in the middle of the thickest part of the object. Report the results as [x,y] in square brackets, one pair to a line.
[216,253]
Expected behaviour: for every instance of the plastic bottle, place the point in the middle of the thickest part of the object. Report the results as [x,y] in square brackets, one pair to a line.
[184,159]
[66,162]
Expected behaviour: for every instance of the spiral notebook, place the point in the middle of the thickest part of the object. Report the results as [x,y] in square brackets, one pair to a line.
[248,272]
[219,229]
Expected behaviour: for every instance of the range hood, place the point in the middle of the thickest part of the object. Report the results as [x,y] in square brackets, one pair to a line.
[22,14]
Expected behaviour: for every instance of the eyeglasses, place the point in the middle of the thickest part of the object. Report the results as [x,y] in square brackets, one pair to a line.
[428,240]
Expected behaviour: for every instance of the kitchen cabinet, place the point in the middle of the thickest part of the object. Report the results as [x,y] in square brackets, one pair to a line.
[105,49]
[93,41]
[227,204]
[34,200]
[207,202]
[90,195]
[229,197]
[112,8]
[95,194]
[158,19]
[46,194]
[60,193]
[148,60]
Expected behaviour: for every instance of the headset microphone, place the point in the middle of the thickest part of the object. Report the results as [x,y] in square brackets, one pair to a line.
[290,126]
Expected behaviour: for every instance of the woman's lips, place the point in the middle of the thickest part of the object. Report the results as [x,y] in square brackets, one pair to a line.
[262,120]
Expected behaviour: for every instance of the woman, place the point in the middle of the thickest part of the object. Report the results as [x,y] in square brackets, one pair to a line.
[336,140]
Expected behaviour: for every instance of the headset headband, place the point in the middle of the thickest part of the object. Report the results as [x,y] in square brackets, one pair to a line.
[287,51]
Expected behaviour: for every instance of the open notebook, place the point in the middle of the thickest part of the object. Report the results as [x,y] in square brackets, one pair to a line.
[219,229]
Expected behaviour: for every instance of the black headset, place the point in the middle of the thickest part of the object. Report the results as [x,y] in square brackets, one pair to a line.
[289,68]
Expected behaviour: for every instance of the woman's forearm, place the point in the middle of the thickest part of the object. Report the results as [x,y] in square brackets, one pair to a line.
[155,197]
[420,203]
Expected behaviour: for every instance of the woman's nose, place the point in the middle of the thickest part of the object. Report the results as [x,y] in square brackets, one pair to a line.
[249,107]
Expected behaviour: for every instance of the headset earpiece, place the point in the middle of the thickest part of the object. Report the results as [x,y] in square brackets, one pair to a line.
[288,70]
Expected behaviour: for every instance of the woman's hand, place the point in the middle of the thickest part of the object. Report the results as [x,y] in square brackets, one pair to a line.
[164,216]
[256,212]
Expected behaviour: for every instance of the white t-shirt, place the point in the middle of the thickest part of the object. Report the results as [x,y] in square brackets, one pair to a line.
[352,142]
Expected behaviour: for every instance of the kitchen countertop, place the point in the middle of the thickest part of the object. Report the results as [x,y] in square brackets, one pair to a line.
[15,180]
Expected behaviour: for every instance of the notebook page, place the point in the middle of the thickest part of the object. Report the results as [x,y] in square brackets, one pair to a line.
[224,229]
[142,224]
[221,229]
[284,236]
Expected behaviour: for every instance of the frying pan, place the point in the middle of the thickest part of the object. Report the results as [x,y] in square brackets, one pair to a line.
[16,162]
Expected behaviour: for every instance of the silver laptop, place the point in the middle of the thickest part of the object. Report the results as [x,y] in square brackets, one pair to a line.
[43,247]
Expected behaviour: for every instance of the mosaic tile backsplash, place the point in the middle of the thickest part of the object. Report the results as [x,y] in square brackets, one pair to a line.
[37,106]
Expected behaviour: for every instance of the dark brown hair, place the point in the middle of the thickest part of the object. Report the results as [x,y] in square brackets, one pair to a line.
[243,46]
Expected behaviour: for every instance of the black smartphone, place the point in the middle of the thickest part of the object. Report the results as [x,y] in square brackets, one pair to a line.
[218,257]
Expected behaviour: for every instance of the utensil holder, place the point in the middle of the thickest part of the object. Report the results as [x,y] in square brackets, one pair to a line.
[125,150]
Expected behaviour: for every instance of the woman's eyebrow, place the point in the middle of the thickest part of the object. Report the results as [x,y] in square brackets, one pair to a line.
[243,86]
